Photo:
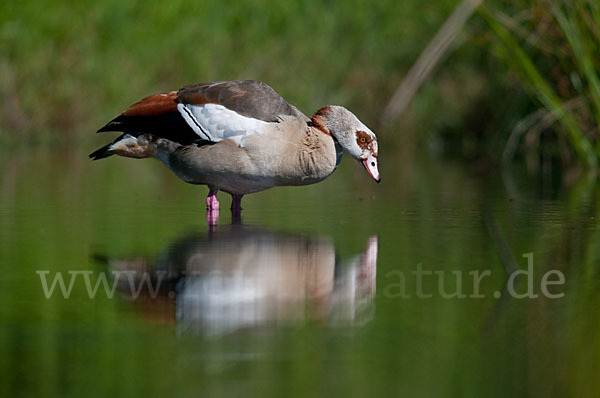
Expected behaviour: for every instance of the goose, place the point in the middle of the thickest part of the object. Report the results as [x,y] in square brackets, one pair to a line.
[239,137]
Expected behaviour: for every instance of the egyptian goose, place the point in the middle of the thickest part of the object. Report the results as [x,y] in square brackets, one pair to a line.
[239,137]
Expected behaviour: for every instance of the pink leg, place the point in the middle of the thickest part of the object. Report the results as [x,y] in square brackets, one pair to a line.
[212,208]
[212,215]
[211,200]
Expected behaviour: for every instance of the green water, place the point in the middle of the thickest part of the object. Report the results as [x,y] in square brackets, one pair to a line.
[291,302]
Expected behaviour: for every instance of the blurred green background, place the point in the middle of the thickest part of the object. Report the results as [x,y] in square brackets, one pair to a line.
[518,87]
[519,80]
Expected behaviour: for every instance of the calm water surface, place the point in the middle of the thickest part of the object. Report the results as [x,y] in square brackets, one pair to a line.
[344,288]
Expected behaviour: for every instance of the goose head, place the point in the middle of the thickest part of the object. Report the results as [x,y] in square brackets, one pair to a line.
[352,135]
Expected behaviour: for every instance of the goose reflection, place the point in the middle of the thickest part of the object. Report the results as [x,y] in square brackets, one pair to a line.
[245,277]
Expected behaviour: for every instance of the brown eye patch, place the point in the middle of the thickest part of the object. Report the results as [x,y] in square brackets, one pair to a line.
[363,139]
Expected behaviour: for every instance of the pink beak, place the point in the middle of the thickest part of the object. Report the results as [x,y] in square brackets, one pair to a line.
[370,164]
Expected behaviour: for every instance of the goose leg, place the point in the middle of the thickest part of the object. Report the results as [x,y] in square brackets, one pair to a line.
[212,209]
[212,215]
[236,203]
[211,200]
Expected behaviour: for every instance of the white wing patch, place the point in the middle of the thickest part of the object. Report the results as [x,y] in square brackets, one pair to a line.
[214,122]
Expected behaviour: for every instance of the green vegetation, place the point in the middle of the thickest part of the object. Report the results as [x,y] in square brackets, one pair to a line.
[520,80]
[69,67]
[552,48]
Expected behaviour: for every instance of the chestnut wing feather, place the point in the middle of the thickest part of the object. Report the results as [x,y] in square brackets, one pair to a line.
[158,114]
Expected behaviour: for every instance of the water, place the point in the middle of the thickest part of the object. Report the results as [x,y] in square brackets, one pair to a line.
[315,292]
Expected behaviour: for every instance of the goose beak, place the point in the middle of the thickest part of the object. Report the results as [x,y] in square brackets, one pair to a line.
[370,164]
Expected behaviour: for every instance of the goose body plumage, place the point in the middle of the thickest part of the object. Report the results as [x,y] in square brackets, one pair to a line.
[240,137]
[285,153]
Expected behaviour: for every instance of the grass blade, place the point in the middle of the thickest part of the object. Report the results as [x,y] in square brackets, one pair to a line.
[582,56]
[544,92]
